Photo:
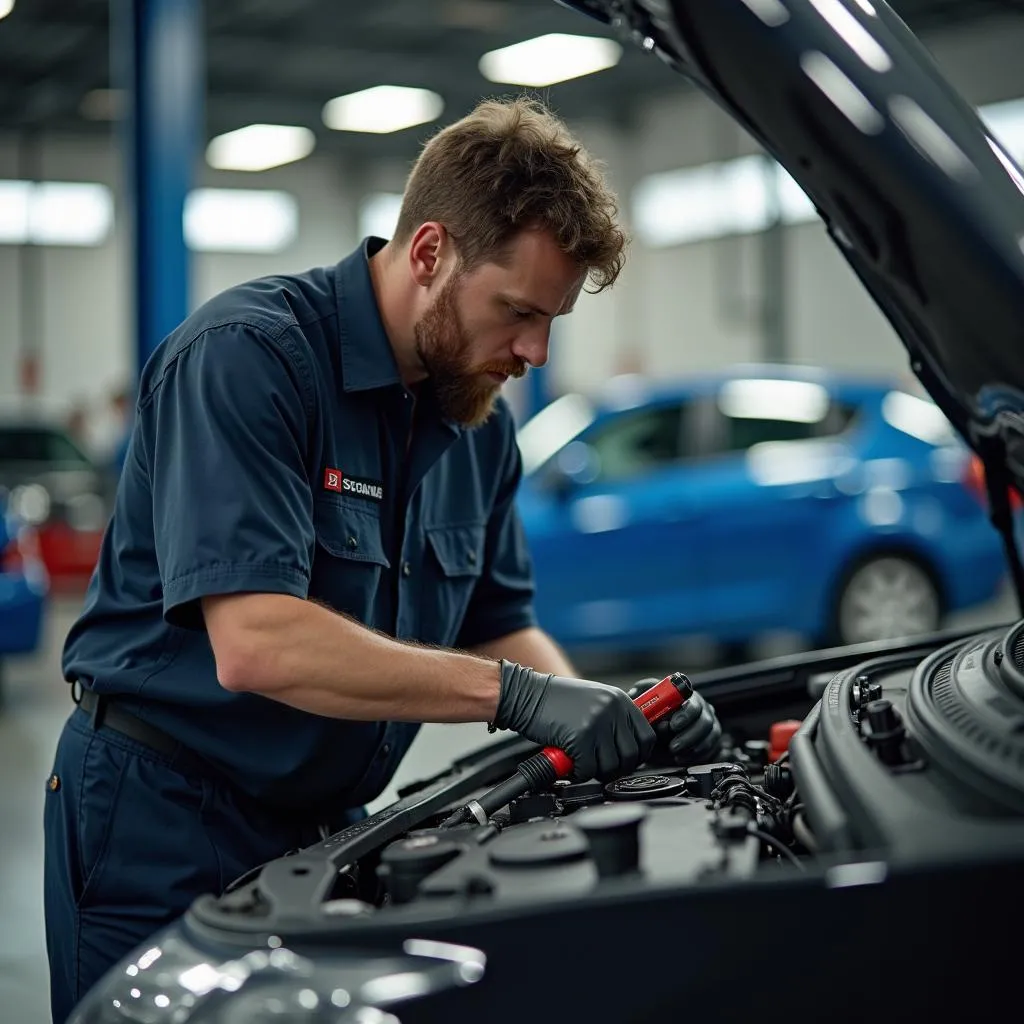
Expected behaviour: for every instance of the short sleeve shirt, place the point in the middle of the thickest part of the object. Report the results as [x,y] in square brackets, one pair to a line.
[271,452]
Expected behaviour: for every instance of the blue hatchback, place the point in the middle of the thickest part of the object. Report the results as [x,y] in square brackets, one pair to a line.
[760,500]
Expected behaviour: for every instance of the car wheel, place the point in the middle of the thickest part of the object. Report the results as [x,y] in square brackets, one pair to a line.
[884,598]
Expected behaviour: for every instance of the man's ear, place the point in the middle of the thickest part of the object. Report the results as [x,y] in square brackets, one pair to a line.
[430,250]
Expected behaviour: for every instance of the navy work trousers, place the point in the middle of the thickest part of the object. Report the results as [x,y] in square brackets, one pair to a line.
[131,841]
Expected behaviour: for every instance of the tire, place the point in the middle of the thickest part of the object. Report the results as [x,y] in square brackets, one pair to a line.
[886,597]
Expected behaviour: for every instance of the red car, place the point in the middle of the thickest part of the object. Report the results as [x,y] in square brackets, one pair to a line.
[53,485]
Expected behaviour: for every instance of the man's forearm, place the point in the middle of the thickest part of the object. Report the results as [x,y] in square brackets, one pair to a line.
[531,647]
[311,658]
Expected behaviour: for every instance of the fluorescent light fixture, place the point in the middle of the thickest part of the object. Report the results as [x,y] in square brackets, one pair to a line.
[556,57]
[14,202]
[378,214]
[702,202]
[70,213]
[795,401]
[257,147]
[382,109]
[6,6]
[55,213]
[240,220]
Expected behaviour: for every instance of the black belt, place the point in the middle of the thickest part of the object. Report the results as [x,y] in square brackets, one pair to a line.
[105,712]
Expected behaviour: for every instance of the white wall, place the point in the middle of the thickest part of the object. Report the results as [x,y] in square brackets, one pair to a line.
[82,295]
[672,311]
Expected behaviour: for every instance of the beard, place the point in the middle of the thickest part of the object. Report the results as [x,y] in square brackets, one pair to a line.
[465,394]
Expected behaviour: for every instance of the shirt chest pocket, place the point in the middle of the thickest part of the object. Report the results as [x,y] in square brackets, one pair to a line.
[349,564]
[455,558]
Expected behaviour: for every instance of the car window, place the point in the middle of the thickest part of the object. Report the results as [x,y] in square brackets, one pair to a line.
[38,444]
[732,433]
[638,442]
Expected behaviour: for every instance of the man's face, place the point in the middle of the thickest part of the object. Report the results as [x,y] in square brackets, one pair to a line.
[493,322]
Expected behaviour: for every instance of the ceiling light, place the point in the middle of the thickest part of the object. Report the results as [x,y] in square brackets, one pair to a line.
[240,220]
[70,213]
[556,57]
[378,214]
[257,147]
[382,109]
[14,203]
[6,6]
[55,213]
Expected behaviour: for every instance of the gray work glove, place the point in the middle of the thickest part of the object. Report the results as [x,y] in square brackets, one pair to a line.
[690,735]
[597,725]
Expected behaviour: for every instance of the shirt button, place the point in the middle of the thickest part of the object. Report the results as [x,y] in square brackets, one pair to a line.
[406,569]
[385,750]
[472,557]
[353,543]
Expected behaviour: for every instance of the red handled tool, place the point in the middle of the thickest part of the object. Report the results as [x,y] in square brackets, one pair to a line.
[538,772]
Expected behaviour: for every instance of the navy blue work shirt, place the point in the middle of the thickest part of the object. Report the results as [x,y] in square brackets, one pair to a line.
[271,453]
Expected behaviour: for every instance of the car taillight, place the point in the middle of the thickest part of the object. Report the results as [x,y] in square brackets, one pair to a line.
[974,481]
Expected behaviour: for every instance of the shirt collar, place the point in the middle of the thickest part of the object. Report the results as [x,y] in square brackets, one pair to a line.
[367,359]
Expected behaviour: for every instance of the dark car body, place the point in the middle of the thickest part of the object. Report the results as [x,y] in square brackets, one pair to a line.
[875,871]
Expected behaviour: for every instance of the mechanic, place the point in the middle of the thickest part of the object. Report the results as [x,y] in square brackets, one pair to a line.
[315,548]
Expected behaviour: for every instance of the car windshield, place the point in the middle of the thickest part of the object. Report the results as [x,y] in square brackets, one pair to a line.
[39,445]
[552,429]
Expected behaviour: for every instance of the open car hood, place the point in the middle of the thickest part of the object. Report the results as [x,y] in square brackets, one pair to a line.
[922,201]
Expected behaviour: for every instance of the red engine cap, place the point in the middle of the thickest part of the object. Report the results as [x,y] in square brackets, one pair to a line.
[780,735]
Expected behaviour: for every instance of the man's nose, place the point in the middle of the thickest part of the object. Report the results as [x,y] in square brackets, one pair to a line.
[533,345]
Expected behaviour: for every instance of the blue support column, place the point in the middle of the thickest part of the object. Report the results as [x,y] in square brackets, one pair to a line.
[158,58]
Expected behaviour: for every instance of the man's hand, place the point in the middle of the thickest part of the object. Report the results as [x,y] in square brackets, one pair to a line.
[597,725]
[690,735]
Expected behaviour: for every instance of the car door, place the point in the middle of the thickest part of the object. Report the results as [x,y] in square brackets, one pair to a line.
[615,563]
[768,488]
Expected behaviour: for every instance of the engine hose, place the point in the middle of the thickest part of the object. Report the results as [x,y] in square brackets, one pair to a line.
[803,834]
[737,791]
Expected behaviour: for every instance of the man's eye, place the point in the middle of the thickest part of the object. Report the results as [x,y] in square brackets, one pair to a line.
[519,313]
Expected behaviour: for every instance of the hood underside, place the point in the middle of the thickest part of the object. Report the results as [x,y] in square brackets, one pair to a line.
[922,201]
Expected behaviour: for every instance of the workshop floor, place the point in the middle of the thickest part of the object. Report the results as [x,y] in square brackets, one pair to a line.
[33,709]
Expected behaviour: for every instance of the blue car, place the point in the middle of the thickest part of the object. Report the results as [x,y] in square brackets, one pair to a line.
[760,500]
[24,585]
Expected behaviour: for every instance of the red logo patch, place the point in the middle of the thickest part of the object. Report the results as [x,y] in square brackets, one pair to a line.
[332,479]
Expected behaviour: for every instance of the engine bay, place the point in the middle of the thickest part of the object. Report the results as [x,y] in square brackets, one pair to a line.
[865,817]
[908,757]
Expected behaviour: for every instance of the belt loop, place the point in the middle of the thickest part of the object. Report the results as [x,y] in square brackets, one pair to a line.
[97,710]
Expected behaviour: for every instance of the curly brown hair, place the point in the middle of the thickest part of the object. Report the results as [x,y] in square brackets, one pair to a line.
[508,166]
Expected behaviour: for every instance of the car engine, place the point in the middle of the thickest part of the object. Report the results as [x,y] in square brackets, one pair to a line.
[867,804]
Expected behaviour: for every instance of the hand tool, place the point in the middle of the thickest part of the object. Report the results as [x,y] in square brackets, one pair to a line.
[540,771]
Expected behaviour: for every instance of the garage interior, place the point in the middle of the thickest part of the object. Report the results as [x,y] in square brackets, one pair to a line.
[695,298]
